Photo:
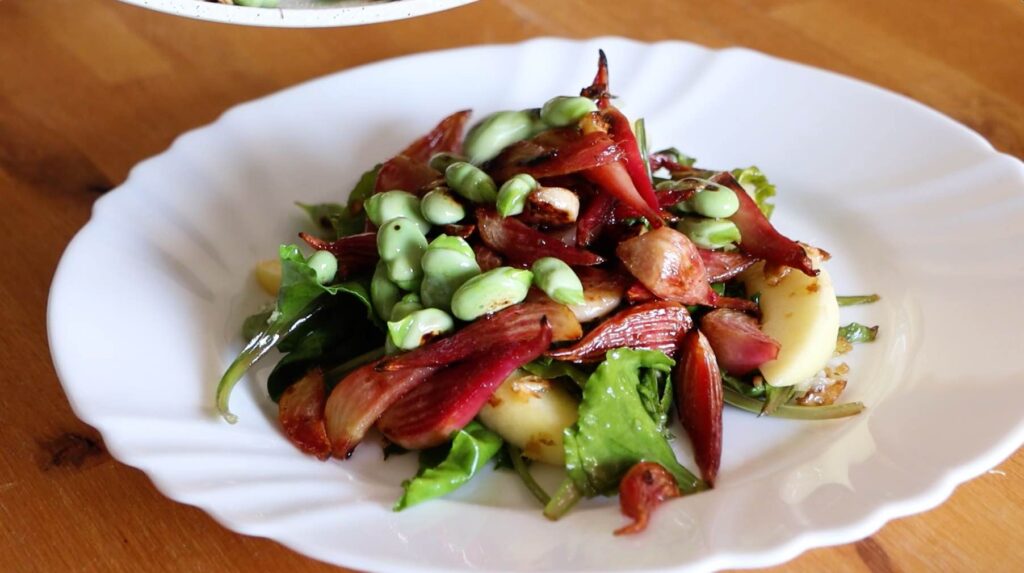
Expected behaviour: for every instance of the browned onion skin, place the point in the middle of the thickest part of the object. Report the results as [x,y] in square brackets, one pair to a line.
[523,244]
[360,398]
[738,341]
[301,413]
[669,265]
[448,400]
[491,334]
[445,137]
[724,265]
[758,237]
[355,253]
[658,325]
[699,399]
[644,487]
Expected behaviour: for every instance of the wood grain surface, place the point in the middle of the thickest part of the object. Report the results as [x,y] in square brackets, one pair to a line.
[90,87]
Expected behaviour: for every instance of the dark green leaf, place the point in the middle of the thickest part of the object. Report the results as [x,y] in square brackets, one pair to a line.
[861,299]
[515,456]
[255,324]
[321,213]
[549,368]
[343,220]
[655,390]
[678,156]
[856,332]
[743,387]
[470,450]
[390,449]
[757,184]
[776,396]
[297,302]
[615,430]
[792,411]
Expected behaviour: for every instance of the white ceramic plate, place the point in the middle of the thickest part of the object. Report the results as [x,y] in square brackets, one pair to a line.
[303,13]
[146,304]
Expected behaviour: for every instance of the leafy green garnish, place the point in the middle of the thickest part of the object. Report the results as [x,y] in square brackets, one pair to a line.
[615,430]
[470,450]
[792,411]
[296,303]
[758,186]
[678,156]
[515,456]
[640,129]
[860,299]
[742,387]
[339,220]
[856,332]
[254,324]
[774,397]
[550,368]
[655,390]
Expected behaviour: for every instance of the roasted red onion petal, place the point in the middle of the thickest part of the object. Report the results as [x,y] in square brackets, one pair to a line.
[738,341]
[360,398]
[524,244]
[699,400]
[658,325]
[301,413]
[451,398]
[491,334]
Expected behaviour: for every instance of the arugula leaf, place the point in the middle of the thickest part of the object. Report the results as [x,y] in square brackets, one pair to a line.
[255,323]
[856,332]
[655,390]
[344,220]
[678,156]
[549,368]
[615,430]
[471,448]
[297,302]
[519,464]
[792,411]
[860,299]
[757,185]
[743,387]
[775,397]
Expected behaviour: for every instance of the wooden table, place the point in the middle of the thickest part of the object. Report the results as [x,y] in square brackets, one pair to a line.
[90,87]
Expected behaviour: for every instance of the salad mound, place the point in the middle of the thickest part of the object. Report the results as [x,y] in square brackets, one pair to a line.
[546,289]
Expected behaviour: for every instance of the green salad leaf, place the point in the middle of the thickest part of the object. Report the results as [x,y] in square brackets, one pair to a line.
[757,185]
[678,156]
[255,323]
[337,220]
[617,427]
[298,300]
[470,450]
[549,368]
[857,299]
[856,332]
[655,390]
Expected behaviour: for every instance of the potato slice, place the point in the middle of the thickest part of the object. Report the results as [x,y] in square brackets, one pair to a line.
[268,274]
[530,413]
[802,314]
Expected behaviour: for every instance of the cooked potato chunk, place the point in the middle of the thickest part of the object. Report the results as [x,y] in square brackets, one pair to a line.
[530,413]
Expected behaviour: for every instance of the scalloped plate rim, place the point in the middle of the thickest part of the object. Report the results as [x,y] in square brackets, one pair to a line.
[932,495]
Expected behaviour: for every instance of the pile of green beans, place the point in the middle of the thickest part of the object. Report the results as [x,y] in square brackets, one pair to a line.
[401,245]
[714,204]
[448,263]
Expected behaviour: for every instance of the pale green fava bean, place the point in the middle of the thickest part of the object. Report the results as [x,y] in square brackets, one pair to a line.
[448,263]
[441,208]
[513,193]
[401,245]
[557,280]
[496,132]
[563,111]
[715,203]
[441,161]
[419,327]
[471,182]
[409,304]
[383,207]
[490,292]
[325,265]
[709,233]
[384,294]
